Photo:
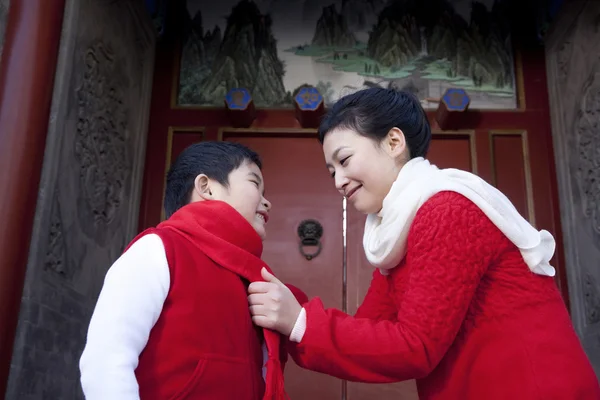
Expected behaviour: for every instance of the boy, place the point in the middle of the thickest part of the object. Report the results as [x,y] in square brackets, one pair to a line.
[172,319]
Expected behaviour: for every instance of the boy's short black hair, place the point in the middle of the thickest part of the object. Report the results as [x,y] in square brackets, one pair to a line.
[214,159]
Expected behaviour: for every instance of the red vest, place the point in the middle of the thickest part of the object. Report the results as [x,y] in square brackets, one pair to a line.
[204,345]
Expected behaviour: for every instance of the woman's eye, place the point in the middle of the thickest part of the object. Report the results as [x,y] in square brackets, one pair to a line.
[256,183]
[343,161]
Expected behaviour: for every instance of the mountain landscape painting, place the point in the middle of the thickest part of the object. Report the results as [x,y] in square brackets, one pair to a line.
[275,47]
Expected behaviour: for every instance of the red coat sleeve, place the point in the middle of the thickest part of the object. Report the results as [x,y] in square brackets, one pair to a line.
[378,304]
[449,248]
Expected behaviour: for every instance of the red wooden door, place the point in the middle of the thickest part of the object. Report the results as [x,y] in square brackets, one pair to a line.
[299,188]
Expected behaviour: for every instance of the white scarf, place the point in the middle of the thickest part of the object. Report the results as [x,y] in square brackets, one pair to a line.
[386,232]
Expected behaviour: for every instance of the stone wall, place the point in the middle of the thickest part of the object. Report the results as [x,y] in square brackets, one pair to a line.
[89,196]
[4,4]
[573,64]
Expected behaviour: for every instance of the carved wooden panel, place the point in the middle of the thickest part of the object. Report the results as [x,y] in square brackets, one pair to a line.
[573,67]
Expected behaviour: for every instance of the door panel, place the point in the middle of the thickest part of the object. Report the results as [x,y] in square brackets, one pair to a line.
[511,172]
[299,187]
[453,150]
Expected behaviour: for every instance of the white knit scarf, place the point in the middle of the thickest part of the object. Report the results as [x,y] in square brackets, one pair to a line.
[386,232]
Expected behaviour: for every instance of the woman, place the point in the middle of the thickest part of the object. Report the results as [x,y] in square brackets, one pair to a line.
[462,298]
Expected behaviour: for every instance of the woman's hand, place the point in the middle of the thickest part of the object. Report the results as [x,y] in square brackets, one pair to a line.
[272,304]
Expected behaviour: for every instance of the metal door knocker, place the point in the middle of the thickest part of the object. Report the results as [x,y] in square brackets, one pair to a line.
[310,232]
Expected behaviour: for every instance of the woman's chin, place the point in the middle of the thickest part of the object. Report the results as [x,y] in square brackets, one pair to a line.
[365,208]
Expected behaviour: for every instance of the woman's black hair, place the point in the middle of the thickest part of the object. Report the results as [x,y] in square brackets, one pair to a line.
[373,112]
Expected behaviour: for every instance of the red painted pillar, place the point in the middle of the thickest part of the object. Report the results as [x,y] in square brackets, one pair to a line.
[27,69]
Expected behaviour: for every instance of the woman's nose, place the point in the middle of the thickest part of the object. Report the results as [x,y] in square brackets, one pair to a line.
[341,182]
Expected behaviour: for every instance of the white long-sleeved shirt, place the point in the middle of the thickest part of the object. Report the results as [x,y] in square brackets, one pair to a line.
[130,303]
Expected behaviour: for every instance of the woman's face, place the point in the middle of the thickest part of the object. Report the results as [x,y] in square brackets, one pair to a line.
[364,169]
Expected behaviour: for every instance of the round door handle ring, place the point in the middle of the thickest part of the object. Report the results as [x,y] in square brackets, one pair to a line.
[310,232]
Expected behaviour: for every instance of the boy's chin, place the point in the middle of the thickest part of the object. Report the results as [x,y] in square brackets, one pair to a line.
[260,229]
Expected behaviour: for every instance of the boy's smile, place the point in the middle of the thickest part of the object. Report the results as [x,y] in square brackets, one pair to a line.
[263,215]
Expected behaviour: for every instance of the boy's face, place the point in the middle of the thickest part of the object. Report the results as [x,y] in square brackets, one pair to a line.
[246,194]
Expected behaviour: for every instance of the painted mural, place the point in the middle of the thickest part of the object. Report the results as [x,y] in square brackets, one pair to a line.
[275,47]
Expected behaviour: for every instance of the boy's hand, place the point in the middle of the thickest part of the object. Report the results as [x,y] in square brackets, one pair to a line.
[272,304]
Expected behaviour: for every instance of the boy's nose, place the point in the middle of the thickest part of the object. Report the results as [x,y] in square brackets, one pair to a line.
[267,204]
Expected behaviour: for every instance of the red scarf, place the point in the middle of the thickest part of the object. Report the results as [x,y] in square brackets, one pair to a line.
[221,233]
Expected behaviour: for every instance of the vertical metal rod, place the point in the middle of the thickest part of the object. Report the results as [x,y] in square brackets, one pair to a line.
[344,258]
[344,279]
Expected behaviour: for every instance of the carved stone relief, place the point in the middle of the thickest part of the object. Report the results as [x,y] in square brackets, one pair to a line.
[55,253]
[88,204]
[573,67]
[564,55]
[588,137]
[592,299]
[102,148]
[4,4]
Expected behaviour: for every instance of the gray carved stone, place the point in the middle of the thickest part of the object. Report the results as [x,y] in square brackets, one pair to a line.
[88,203]
[102,150]
[4,4]
[573,67]
[55,249]
[588,145]
[591,299]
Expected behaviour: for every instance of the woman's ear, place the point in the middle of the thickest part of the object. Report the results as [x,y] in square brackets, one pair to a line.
[202,188]
[396,143]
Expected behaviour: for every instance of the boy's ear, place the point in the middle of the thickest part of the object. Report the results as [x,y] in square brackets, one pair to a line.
[202,187]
